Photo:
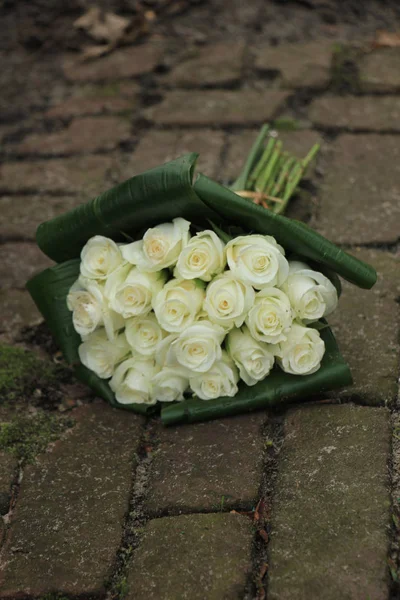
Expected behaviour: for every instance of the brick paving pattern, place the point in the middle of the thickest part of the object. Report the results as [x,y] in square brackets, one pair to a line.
[332,457]
[207,466]
[208,557]
[68,522]
[120,506]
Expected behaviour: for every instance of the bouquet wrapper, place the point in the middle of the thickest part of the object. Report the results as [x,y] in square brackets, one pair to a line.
[160,195]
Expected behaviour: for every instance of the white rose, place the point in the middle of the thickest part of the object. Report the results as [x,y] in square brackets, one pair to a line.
[100,257]
[228,301]
[302,352]
[257,260]
[131,292]
[254,359]
[160,246]
[311,294]
[271,317]
[101,355]
[170,384]
[144,334]
[163,349]
[220,381]
[179,303]
[202,258]
[86,307]
[198,347]
[132,381]
[90,308]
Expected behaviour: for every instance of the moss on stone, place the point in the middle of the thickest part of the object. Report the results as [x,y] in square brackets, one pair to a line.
[21,372]
[344,70]
[27,436]
[285,124]
[122,588]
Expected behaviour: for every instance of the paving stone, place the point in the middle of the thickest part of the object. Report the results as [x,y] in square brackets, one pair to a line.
[214,64]
[330,521]
[21,215]
[8,471]
[86,175]
[212,107]
[120,64]
[88,134]
[19,262]
[207,466]
[157,147]
[359,199]
[300,65]
[380,70]
[367,330]
[208,556]
[78,107]
[362,112]
[67,525]
[17,310]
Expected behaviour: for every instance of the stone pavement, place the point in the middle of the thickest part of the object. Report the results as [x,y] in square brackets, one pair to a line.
[300,505]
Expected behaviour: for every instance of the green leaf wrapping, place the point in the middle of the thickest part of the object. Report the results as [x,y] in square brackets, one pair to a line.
[294,236]
[143,201]
[278,388]
[157,196]
[49,290]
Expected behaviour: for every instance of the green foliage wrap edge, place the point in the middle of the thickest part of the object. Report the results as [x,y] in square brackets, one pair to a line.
[160,195]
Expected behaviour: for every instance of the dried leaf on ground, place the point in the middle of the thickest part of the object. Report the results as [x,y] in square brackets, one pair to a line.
[111,30]
[386,39]
[259,512]
[262,533]
[102,26]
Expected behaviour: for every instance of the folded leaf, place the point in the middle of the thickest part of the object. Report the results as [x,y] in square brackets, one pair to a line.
[49,291]
[293,235]
[278,388]
[156,196]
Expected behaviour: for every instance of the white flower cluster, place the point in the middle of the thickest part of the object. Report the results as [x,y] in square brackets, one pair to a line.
[172,313]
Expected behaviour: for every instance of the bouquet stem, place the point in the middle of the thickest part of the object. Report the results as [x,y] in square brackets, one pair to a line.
[270,176]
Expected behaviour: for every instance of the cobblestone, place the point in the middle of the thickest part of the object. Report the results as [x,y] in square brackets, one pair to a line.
[120,64]
[17,310]
[157,147]
[22,214]
[19,262]
[208,557]
[86,175]
[207,466]
[357,113]
[359,199]
[300,65]
[214,65]
[79,107]
[245,107]
[331,511]
[71,507]
[367,330]
[88,134]
[380,70]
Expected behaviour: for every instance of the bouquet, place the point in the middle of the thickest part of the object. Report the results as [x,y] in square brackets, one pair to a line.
[191,297]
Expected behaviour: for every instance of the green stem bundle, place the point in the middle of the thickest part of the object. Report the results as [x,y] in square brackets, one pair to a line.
[271,176]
